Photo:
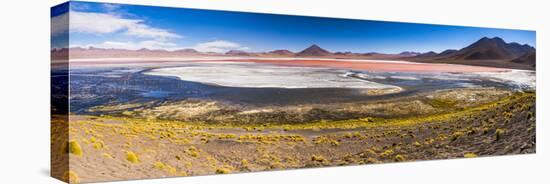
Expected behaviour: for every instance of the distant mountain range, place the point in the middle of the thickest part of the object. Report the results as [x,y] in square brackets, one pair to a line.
[485,52]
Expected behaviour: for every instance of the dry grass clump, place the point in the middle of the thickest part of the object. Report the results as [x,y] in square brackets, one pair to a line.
[71,177]
[245,164]
[107,155]
[371,160]
[530,115]
[166,167]
[456,135]
[193,151]
[399,158]
[171,170]
[227,136]
[75,148]
[325,139]
[159,165]
[470,155]
[499,133]
[276,165]
[98,145]
[319,158]
[485,131]
[132,157]
[224,170]
[386,153]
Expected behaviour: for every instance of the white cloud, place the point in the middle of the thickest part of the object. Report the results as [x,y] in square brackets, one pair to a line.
[59,24]
[100,23]
[103,23]
[149,44]
[219,46]
[111,7]
[151,37]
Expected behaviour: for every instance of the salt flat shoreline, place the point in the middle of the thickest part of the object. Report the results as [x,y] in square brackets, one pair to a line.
[371,65]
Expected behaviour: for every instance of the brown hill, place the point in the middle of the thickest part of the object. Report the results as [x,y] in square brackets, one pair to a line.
[493,52]
[237,53]
[529,58]
[282,52]
[187,51]
[447,52]
[409,53]
[427,54]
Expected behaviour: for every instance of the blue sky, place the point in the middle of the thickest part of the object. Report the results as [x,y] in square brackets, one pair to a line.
[134,27]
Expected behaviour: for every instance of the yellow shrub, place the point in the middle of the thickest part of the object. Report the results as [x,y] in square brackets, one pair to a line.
[386,153]
[75,148]
[371,160]
[159,165]
[498,133]
[276,165]
[98,145]
[456,135]
[244,162]
[132,157]
[470,155]
[93,139]
[223,170]
[183,173]
[71,177]
[168,168]
[192,151]
[171,170]
[107,155]
[399,158]
[316,158]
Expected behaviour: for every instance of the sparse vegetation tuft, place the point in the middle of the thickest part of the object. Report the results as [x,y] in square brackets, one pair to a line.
[75,148]
[399,158]
[71,177]
[132,157]
[470,155]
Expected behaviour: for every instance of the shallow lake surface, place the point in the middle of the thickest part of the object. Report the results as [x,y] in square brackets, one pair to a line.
[233,83]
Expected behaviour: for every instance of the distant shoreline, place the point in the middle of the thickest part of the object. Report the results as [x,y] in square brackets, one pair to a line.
[358,64]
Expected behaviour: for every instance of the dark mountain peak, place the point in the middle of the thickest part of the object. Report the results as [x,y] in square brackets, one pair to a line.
[314,46]
[498,39]
[486,40]
[491,49]
[314,50]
